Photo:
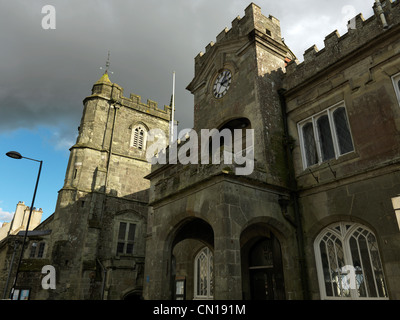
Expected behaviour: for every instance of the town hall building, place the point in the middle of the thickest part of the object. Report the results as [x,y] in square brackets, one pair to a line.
[317,217]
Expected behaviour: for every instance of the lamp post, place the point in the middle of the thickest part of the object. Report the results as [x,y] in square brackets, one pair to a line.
[16,155]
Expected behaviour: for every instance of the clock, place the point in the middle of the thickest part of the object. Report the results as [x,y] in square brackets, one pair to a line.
[222,84]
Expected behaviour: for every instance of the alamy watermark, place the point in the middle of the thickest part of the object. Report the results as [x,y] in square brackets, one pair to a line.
[236,148]
[49,280]
[49,20]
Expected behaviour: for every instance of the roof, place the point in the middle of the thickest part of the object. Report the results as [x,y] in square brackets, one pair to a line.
[35,233]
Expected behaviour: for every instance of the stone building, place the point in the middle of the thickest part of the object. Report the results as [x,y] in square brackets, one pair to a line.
[20,220]
[95,239]
[343,112]
[316,217]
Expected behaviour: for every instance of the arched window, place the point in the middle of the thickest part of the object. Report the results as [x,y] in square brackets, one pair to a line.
[348,263]
[139,137]
[203,275]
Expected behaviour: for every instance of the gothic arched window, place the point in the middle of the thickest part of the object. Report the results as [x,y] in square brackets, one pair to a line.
[203,275]
[348,263]
[139,137]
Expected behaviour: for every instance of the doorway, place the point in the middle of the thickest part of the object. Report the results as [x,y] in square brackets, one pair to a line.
[192,260]
[262,269]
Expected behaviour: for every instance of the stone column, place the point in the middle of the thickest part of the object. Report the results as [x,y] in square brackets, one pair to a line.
[227,263]
[157,273]
[227,269]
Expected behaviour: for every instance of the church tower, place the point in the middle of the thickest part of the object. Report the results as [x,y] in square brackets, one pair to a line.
[101,213]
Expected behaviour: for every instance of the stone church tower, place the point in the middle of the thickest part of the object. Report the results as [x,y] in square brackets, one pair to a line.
[99,225]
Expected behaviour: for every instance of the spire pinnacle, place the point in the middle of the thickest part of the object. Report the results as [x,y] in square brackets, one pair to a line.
[107,64]
[104,77]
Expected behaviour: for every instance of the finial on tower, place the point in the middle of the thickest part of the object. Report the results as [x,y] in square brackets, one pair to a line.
[107,64]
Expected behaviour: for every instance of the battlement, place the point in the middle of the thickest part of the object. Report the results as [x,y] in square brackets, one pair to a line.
[105,89]
[241,27]
[134,101]
[360,32]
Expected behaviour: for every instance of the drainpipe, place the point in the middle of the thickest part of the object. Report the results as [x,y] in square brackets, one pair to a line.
[381,14]
[103,282]
[295,199]
[115,107]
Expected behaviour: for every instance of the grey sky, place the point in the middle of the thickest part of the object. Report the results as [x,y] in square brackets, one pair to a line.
[45,74]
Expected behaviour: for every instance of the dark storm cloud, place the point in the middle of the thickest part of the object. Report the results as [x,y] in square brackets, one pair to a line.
[45,74]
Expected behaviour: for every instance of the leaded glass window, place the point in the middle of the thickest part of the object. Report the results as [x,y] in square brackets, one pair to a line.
[345,142]
[309,144]
[204,274]
[325,136]
[348,263]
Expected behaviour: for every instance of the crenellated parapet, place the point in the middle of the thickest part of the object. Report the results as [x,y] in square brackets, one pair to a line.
[253,20]
[150,107]
[360,31]
[107,90]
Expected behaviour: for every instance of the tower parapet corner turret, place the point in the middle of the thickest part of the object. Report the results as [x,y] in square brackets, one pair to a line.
[242,27]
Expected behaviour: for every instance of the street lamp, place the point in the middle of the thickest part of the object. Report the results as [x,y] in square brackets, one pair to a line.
[17,155]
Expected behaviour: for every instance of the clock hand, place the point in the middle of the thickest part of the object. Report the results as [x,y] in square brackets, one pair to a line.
[221,87]
[224,80]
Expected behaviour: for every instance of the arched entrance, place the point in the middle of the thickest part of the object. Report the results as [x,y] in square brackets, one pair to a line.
[262,269]
[192,252]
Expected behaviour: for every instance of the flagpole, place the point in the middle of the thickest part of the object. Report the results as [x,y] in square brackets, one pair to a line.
[173,108]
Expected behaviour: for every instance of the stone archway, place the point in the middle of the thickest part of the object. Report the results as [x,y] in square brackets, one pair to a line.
[184,242]
[194,228]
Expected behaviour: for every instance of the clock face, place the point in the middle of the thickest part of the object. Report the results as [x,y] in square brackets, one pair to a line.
[222,84]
